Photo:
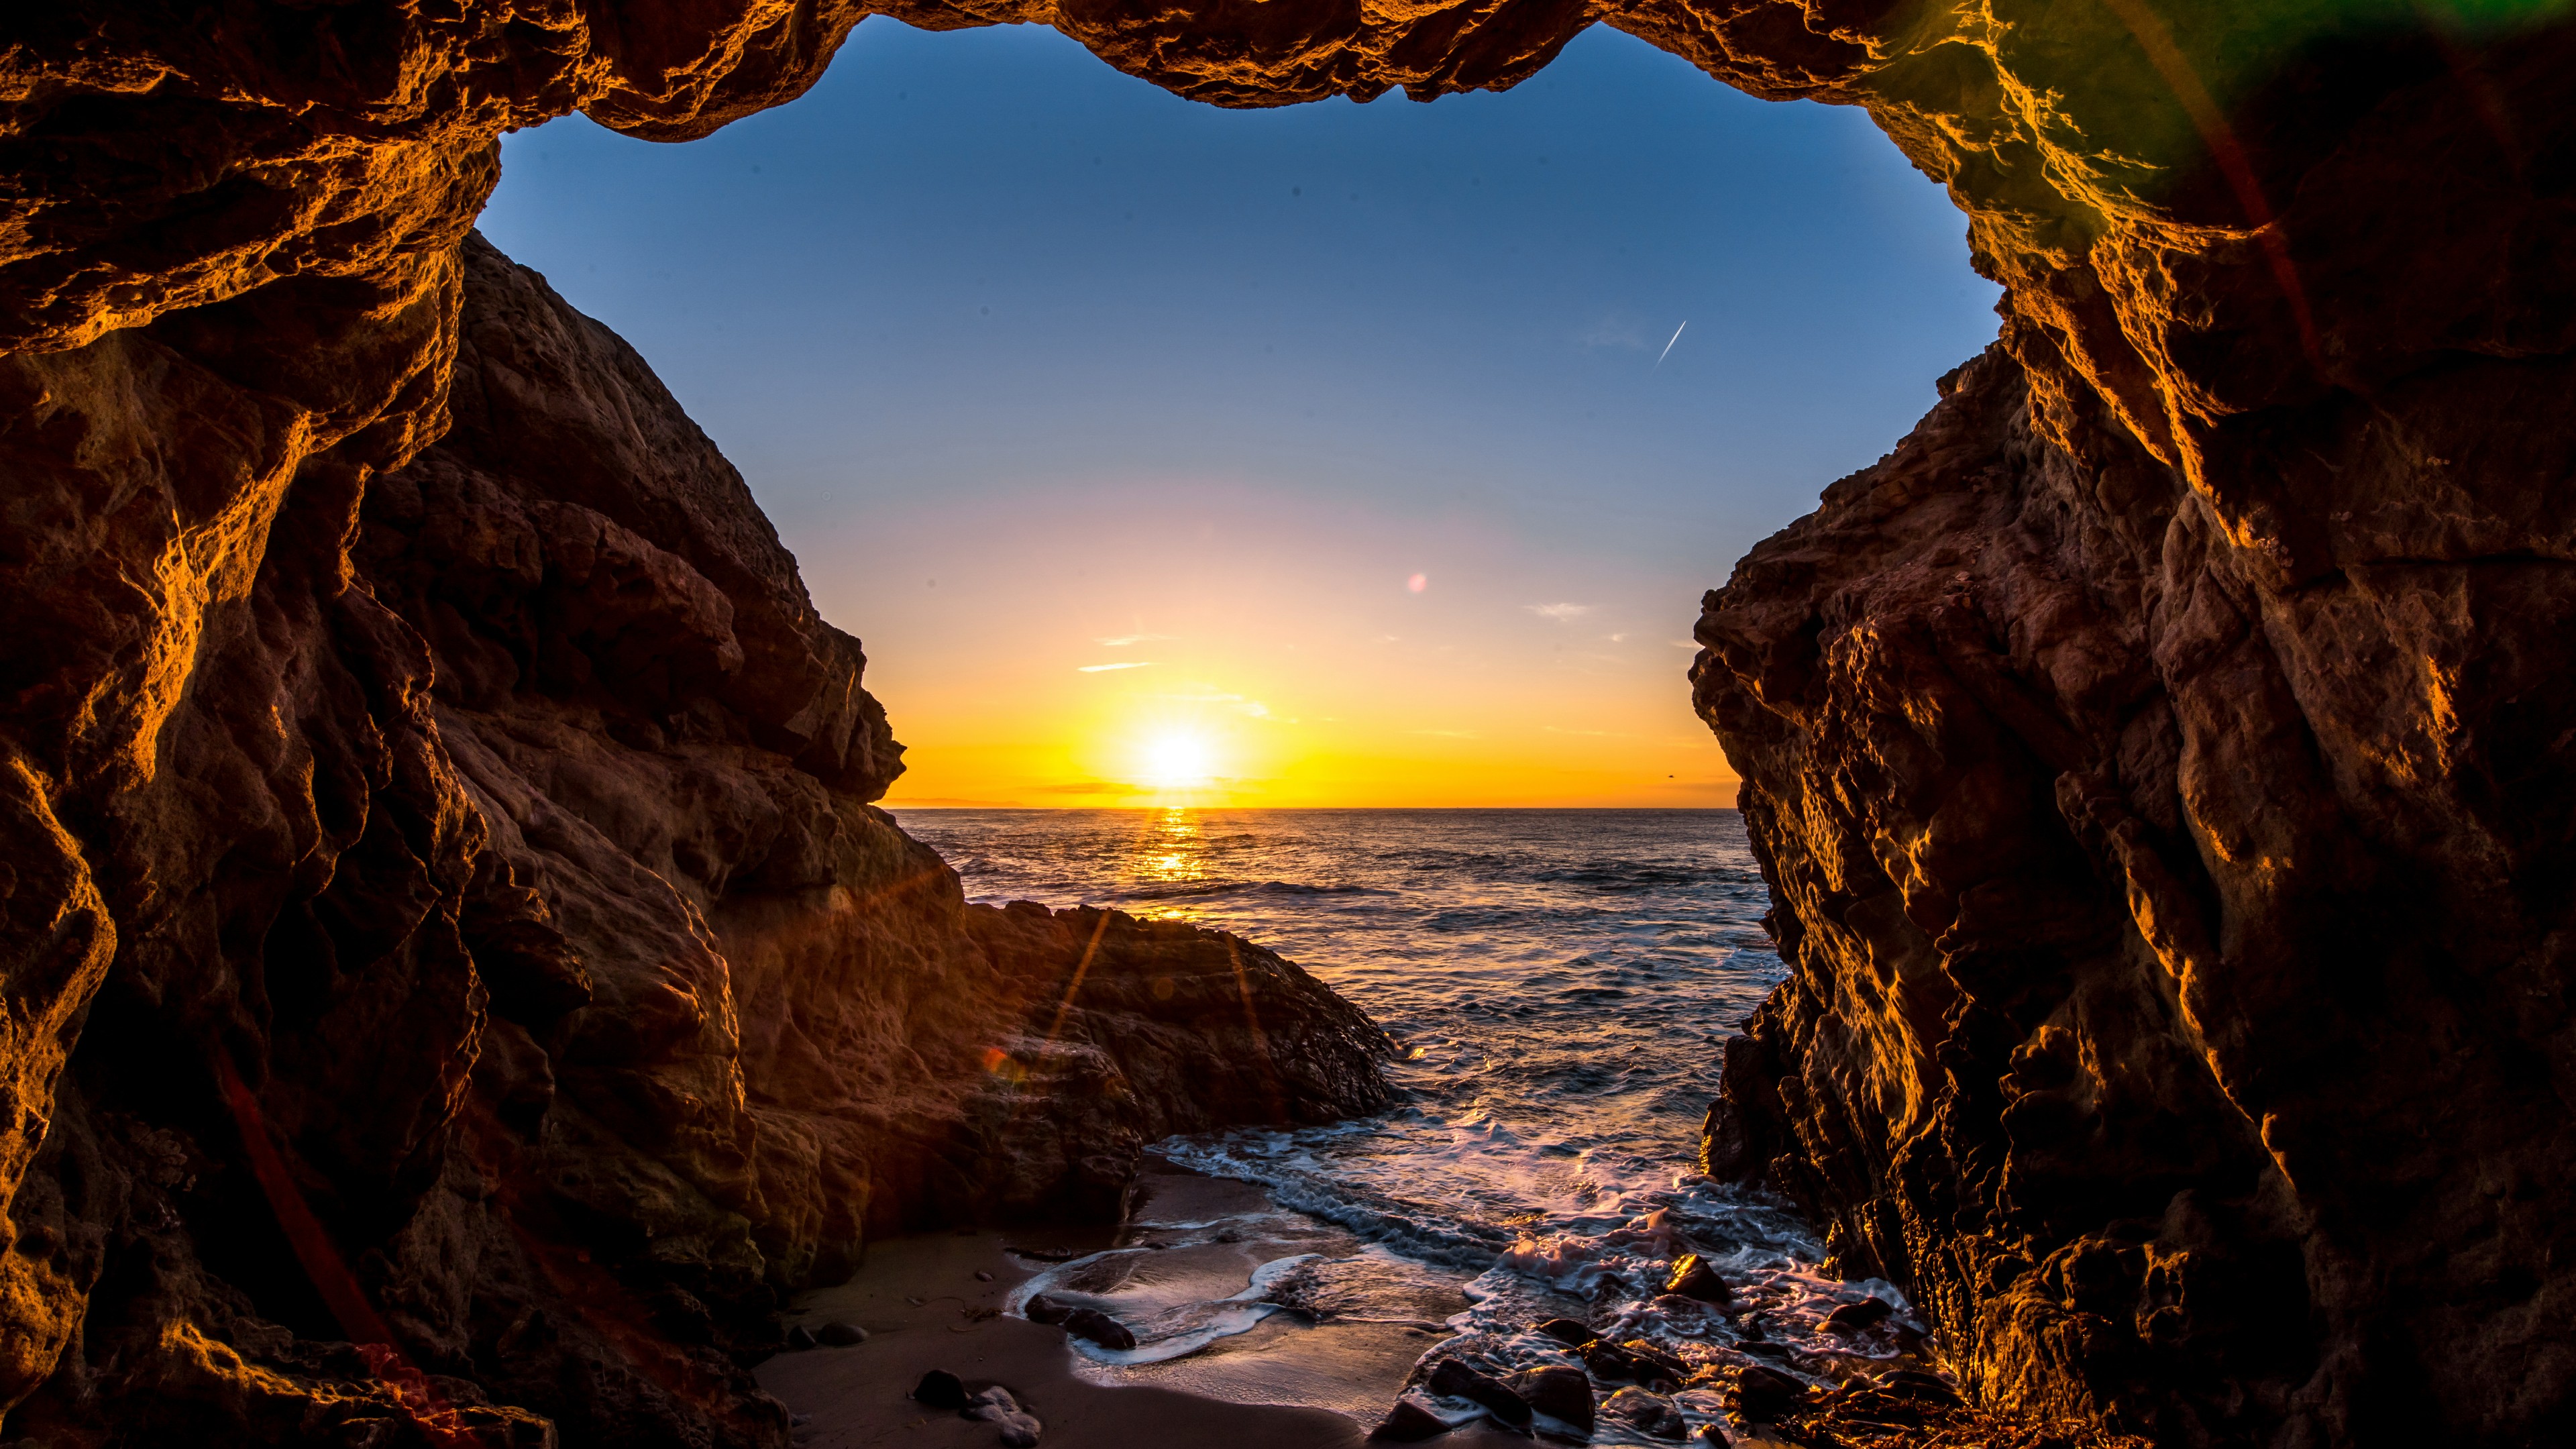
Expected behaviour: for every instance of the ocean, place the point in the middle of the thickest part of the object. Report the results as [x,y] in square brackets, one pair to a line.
[1560,983]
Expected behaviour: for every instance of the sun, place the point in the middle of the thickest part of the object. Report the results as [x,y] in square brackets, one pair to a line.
[1175,760]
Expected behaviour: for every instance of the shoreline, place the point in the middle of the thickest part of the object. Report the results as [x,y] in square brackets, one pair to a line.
[924,1306]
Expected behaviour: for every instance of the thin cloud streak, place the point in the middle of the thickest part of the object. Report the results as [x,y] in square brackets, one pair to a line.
[1561,613]
[1122,664]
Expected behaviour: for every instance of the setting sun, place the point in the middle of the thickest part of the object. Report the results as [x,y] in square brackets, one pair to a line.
[1175,761]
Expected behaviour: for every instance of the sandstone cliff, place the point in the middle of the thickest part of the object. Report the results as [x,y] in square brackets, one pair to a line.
[2162,759]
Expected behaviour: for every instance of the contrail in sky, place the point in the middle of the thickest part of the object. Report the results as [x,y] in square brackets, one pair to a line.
[1668,347]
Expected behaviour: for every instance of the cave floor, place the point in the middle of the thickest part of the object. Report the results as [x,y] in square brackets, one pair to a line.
[924,1307]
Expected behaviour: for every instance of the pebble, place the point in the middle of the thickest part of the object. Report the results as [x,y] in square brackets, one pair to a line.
[837,1334]
[799,1338]
[983,1277]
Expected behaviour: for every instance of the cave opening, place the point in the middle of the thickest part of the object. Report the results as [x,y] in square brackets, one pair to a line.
[1382,450]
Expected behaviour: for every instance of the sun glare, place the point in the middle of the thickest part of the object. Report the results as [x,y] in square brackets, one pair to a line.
[1176,761]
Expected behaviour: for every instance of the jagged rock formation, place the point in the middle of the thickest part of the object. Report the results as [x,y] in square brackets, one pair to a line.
[2161,765]
[2161,760]
[510,970]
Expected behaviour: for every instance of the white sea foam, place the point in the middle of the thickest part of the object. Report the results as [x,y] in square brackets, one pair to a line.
[1562,982]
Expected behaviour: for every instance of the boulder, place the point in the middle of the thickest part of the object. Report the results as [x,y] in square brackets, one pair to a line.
[1451,1378]
[1409,1422]
[1568,1332]
[1649,1414]
[1692,1277]
[1858,1317]
[1560,1393]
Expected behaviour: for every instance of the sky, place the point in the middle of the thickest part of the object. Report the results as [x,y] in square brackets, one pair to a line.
[1331,455]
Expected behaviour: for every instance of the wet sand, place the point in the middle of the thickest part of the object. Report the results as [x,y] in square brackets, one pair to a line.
[924,1308]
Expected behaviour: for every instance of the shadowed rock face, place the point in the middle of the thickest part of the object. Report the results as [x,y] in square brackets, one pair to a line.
[2179,994]
[511,969]
[2161,759]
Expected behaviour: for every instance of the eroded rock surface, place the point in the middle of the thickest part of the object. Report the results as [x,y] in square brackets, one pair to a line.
[2161,759]
[2180,986]
[512,971]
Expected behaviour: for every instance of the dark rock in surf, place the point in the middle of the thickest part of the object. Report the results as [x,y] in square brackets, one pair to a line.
[1562,1394]
[1608,1361]
[1858,1317]
[1653,1362]
[1099,1328]
[1453,1379]
[1918,1385]
[1763,1394]
[1692,1277]
[940,1389]
[1409,1423]
[1568,1332]
[1649,1414]
[1042,1309]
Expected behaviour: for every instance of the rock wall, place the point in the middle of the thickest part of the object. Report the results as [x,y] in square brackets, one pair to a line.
[511,978]
[2161,765]
[2161,759]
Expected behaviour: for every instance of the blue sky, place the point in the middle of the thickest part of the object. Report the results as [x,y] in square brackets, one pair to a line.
[1022,354]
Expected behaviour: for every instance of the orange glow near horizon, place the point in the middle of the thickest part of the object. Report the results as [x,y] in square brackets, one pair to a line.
[1244,653]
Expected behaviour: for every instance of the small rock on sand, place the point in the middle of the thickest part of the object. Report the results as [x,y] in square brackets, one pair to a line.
[997,1407]
[837,1334]
[940,1389]
[799,1338]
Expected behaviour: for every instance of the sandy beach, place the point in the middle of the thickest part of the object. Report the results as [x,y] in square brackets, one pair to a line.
[933,1301]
